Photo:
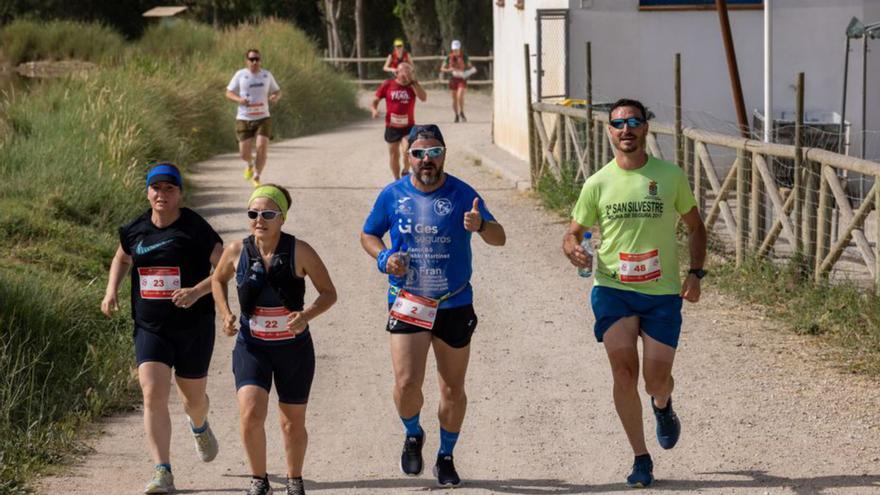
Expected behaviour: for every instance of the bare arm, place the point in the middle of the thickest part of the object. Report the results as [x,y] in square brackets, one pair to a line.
[374,245]
[374,107]
[234,97]
[493,234]
[690,289]
[312,266]
[387,67]
[223,273]
[118,268]
[187,296]
[420,91]
[571,245]
[275,96]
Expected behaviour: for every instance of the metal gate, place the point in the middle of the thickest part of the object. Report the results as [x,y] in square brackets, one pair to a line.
[552,53]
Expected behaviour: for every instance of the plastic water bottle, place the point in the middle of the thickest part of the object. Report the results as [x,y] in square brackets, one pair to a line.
[585,243]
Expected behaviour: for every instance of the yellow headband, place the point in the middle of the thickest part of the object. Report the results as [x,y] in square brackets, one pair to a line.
[273,193]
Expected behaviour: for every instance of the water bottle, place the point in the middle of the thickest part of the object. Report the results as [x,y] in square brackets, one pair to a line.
[585,243]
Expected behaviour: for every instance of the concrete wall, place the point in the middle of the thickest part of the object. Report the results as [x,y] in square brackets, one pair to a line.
[633,56]
[513,28]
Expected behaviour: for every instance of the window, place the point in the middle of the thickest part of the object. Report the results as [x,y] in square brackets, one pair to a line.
[697,4]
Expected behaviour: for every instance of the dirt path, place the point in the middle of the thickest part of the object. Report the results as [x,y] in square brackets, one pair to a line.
[760,414]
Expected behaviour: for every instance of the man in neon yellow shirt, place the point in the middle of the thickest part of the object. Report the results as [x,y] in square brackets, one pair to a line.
[636,200]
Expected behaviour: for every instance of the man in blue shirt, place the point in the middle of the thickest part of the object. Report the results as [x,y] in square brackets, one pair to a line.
[430,217]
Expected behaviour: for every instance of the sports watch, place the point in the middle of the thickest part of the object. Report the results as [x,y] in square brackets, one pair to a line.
[699,272]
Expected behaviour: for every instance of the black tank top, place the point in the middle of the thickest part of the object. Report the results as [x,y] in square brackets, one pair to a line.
[265,297]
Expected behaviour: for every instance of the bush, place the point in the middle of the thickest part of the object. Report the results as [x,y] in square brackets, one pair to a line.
[31,40]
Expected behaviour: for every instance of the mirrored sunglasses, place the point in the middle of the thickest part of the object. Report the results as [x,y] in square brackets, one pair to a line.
[266,214]
[632,122]
[419,153]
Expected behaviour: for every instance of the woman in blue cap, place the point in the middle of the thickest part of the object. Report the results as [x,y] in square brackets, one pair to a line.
[273,343]
[170,251]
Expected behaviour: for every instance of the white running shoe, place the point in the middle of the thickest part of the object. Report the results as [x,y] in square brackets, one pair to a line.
[162,482]
[206,443]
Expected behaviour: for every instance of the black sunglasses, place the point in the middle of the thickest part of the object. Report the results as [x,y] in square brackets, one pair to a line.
[254,59]
[266,214]
[632,122]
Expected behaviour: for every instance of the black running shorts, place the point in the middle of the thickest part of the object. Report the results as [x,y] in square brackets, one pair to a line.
[455,326]
[395,134]
[291,365]
[188,351]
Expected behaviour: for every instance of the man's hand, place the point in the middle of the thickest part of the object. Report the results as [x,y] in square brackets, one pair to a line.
[395,266]
[690,289]
[374,111]
[473,219]
[243,101]
[296,322]
[578,256]
[274,97]
[110,304]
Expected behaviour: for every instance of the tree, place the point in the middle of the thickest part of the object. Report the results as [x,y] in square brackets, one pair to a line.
[419,19]
[359,34]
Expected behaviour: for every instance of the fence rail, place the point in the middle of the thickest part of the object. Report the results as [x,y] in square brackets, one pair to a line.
[814,216]
[419,60]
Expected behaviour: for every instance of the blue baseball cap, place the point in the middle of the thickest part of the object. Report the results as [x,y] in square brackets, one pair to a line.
[428,131]
[164,172]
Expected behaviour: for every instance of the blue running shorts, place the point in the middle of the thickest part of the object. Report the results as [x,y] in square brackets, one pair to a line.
[659,316]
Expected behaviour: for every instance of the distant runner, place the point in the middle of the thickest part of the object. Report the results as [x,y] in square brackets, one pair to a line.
[397,56]
[637,201]
[274,341]
[459,65]
[253,88]
[400,103]
[430,217]
[170,251]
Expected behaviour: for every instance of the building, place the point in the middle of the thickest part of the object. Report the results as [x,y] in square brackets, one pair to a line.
[633,46]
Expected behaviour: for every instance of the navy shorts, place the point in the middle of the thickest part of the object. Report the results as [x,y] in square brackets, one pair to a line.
[395,134]
[455,326]
[292,366]
[659,316]
[187,351]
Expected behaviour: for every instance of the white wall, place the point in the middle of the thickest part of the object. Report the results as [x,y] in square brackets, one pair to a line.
[633,56]
[512,29]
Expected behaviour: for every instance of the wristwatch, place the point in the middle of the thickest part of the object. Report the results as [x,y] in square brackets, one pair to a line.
[699,272]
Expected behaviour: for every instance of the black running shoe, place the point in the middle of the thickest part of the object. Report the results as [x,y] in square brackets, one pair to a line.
[456,118]
[463,118]
[668,425]
[445,472]
[295,486]
[259,486]
[411,463]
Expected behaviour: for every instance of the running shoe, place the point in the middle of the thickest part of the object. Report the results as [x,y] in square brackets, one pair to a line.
[456,118]
[259,486]
[162,482]
[295,486]
[642,474]
[668,425]
[411,463]
[255,181]
[445,472]
[248,172]
[463,118]
[206,443]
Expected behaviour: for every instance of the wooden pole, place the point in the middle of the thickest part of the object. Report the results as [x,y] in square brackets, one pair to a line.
[732,68]
[588,146]
[533,152]
[798,163]
[698,178]
[756,200]
[808,216]
[679,144]
[741,212]
[823,224]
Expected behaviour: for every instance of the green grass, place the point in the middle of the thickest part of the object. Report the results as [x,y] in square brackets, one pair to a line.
[31,40]
[72,164]
[560,194]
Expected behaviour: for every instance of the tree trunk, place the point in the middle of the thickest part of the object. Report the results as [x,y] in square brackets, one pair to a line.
[359,35]
[332,10]
[419,21]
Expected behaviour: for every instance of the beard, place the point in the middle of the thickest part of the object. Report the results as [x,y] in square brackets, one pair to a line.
[427,174]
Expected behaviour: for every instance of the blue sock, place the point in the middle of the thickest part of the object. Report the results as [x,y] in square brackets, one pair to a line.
[200,429]
[447,442]
[413,428]
[166,466]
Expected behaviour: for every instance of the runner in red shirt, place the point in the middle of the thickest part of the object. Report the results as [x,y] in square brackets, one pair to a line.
[460,66]
[397,56]
[400,102]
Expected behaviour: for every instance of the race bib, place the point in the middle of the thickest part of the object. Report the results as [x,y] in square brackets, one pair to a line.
[639,267]
[256,109]
[397,120]
[270,323]
[159,282]
[415,310]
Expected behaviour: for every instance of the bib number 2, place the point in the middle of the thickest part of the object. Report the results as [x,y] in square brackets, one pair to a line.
[415,310]
[640,267]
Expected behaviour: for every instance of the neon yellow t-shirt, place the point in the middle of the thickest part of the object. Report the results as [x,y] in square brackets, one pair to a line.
[637,212]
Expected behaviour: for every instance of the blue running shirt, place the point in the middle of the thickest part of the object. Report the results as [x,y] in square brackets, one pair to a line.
[431,225]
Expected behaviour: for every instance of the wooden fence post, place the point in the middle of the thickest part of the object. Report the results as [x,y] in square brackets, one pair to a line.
[588,145]
[533,152]
[756,207]
[798,164]
[741,210]
[823,223]
[808,209]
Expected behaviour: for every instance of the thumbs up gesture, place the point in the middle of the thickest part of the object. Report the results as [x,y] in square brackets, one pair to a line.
[472,219]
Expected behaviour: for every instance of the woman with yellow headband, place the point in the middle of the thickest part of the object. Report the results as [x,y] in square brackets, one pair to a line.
[273,340]
[397,56]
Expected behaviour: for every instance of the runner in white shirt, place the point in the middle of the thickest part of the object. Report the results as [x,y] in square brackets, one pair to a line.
[253,88]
